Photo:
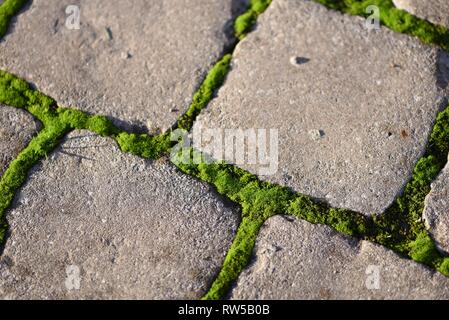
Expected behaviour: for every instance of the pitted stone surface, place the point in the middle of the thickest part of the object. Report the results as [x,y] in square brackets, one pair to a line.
[353,107]
[142,71]
[435,11]
[16,129]
[134,228]
[294,259]
[436,212]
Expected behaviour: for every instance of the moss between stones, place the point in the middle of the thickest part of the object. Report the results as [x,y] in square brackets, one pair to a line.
[399,228]
[395,19]
[258,200]
[9,9]
[246,21]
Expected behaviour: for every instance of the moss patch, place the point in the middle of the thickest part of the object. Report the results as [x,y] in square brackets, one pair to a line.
[344,221]
[9,9]
[395,19]
[205,93]
[444,267]
[401,227]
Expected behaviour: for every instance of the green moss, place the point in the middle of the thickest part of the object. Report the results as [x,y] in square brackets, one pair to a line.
[304,208]
[348,222]
[15,92]
[205,93]
[259,200]
[395,19]
[247,20]
[9,9]
[400,228]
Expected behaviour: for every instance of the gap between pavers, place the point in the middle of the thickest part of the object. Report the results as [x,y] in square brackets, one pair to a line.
[294,259]
[436,212]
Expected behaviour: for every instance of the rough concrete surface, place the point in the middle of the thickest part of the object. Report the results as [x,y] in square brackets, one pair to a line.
[16,129]
[142,72]
[353,107]
[435,11]
[134,228]
[436,212]
[294,259]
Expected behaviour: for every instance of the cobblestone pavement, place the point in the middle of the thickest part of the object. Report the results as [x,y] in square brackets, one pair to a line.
[234,149]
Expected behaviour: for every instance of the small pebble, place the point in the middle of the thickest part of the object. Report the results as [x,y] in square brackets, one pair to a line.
[316,134]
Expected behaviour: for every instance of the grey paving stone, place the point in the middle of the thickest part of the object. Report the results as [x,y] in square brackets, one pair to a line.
[435,11]
[17,127]
[297,260]
[436,212]
[134,228]
[353,107]
[143,71]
